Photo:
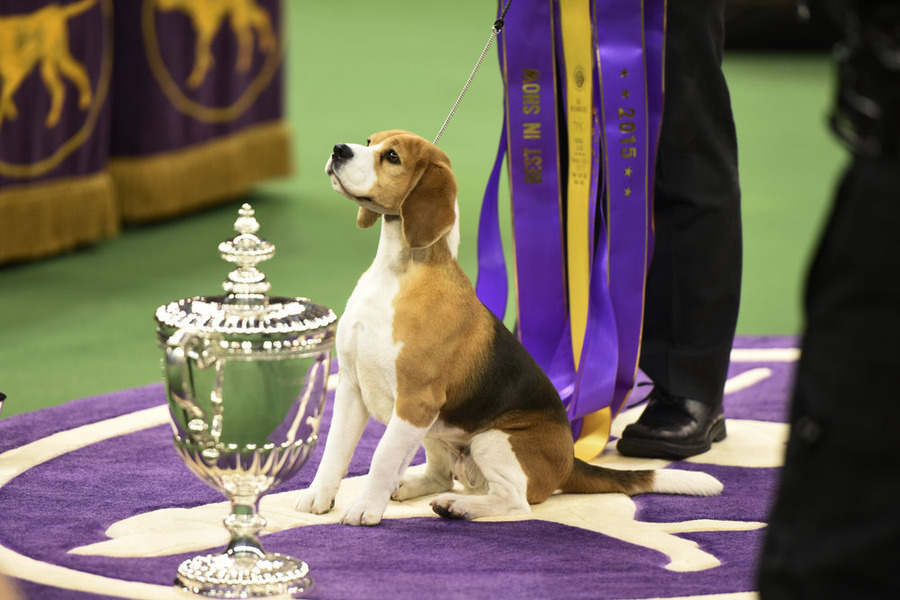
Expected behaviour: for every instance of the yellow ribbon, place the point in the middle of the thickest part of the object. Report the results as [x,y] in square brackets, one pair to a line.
[594,434]
[575,21]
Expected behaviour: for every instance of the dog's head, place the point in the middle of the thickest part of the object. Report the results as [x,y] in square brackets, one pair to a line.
[398,173]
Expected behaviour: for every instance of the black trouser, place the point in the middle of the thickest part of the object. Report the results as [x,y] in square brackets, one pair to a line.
[835,528]
[693,286]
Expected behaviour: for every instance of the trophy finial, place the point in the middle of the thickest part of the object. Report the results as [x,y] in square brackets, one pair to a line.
[246,250]
[247,222]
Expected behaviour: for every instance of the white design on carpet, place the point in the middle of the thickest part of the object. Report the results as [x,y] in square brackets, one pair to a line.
[751,444]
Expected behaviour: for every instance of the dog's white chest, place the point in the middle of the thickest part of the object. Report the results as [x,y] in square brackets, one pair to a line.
[365,341]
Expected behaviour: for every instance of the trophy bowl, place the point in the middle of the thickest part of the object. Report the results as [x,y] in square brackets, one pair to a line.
[246,377]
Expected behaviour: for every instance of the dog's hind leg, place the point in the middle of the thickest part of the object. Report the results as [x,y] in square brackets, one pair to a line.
[506,482]
[438,476]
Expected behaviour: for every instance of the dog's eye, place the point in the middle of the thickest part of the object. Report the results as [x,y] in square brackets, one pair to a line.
[368,141]
[392,157]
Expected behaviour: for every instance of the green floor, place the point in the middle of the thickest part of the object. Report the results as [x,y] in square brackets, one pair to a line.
[82,323]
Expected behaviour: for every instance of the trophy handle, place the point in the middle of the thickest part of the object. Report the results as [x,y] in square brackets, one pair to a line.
[185,348]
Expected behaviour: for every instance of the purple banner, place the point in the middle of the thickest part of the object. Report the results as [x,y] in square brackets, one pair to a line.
[54,108]
[193,76]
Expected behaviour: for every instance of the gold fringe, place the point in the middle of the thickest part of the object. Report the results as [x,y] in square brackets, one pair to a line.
[42,219]
[169,184]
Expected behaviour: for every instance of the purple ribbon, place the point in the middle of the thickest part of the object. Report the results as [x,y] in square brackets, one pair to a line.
[528,67]
[624,104]
[491,285]
[628,110]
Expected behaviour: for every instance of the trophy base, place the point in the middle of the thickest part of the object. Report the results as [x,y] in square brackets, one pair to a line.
[244,576]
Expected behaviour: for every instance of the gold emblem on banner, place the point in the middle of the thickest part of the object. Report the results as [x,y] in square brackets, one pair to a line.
[40,41]
[579,77]
[248,21]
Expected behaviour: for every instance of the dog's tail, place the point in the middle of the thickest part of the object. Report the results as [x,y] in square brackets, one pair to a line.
[76,8]
[593,479]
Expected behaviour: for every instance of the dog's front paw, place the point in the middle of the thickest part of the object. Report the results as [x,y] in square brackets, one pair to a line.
[363,512]
[367,509]
[316,500]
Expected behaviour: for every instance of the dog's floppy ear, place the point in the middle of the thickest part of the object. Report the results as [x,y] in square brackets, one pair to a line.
[365,218]
[428,211]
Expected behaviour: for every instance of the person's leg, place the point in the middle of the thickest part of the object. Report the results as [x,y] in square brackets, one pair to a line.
[835,529]
[693,286]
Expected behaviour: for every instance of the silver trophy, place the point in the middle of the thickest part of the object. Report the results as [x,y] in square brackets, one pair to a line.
[246,379]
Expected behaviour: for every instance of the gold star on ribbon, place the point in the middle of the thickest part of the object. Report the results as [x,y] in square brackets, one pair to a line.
[624,73]
[627,192]
[625,93]
[627,171]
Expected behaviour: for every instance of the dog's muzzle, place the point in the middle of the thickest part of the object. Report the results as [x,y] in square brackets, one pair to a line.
[341,153]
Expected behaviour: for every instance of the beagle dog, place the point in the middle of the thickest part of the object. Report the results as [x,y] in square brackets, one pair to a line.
[419,352]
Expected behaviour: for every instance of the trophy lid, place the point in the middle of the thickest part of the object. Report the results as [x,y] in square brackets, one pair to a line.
[246,321]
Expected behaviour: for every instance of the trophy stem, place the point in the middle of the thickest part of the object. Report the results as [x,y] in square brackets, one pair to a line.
[244,570]
[245,523]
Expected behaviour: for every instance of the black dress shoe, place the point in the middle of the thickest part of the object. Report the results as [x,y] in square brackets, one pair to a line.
[672,427]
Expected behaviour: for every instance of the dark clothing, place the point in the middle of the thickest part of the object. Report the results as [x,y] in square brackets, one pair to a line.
[693,285]
[834,531]
[835,528]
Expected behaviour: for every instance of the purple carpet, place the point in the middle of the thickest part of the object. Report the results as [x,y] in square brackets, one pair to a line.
[69,499]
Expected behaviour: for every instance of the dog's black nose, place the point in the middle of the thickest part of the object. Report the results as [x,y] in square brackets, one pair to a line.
[342,152]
